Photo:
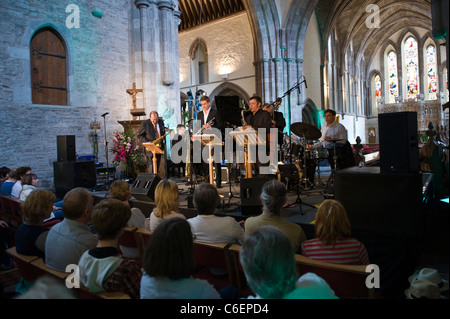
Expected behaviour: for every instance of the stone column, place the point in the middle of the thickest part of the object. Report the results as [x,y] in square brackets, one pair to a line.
[166,24]
[146,16]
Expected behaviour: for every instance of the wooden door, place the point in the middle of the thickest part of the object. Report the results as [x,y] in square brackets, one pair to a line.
[48,68]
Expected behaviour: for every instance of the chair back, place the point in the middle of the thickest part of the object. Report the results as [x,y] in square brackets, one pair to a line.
[347,281]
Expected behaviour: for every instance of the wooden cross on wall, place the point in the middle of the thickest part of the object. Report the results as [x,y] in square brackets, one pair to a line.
[135,112]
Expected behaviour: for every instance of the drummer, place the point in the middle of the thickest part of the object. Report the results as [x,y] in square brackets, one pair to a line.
[333,132]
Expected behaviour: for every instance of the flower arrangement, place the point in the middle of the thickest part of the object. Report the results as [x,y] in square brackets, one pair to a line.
[126,152]
[371,132]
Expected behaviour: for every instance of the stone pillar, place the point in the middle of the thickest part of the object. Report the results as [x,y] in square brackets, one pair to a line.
[146,17]
[166,16]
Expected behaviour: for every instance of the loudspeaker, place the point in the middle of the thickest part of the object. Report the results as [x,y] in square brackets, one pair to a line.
[387,203]
[65,145]
[144,187]
[250,193]
[399,149]
[68,175]
[229,109]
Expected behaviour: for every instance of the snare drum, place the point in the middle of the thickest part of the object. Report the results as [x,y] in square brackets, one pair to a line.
[289,174]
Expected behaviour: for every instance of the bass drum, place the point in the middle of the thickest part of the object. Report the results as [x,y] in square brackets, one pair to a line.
[289,174]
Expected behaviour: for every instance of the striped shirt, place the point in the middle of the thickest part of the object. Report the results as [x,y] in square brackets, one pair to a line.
[344,251]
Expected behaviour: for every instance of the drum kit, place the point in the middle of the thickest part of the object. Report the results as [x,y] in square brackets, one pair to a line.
[295,152]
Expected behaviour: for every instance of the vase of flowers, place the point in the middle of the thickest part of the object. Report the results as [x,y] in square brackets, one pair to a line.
[126,153]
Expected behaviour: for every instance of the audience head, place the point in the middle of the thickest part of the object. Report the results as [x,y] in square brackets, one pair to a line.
[332,222]
[30,179]
[206,199]
[166,197]
[78,204]
[21,171]
[12,175]
[4,172]
[109,217]
[172,235]
[273,196]
[267,257]
[120,190]
[38,206]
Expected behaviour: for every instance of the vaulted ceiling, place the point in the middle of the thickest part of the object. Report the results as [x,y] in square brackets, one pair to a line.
[349,18]
[197,12]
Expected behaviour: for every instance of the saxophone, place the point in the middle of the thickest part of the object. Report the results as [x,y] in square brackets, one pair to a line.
[244,123]
[157,142]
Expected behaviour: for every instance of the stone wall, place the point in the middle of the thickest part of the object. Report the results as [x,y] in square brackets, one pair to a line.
[98,69]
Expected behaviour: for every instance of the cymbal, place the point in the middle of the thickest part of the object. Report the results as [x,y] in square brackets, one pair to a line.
[306,130]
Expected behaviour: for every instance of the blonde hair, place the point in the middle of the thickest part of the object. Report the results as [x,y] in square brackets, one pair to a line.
[120,190]
[38,206]
[332,222]
[166,198]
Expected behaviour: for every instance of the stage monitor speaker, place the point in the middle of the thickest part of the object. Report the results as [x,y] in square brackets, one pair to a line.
[399,149]
[144,187]
[385,203]
[68,175]
[250,194]
[66,150]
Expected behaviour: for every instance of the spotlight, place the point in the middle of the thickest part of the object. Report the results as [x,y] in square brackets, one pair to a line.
[200,92]
[189,93]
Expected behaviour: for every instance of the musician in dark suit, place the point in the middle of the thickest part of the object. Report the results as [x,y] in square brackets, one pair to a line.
[210,118]
[150,130]
[258,119]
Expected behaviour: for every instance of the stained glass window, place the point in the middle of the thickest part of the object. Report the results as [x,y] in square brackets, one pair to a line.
[377,86]
[392,75]
[431,71]
[412,68]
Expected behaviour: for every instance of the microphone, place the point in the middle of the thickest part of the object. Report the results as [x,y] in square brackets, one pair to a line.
[104,114]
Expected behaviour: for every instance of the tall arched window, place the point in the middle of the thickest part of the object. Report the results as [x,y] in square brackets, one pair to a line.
[48,68]
[378,92]
[431,73]
[392,76]
[200,63]
[411,62]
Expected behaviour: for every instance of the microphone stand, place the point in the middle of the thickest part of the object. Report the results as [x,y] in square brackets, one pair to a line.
[106,150]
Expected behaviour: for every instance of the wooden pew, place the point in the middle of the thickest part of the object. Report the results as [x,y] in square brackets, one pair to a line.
[213,255]
[347,281]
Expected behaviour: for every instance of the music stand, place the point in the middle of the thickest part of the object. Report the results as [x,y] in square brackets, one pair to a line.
[155,150]
[209,140]
[246,138]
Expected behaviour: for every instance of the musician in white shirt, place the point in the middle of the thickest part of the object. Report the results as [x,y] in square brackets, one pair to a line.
[332,133]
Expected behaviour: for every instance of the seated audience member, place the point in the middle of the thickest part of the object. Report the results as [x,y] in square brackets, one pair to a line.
[103,268]
[17,188]
[120,190]
[3,174]
[209,228]
[267,258]
[333,242]
[69,239]
[31,235]
[167,203]
[9,182]
[30,182]
[273,196]
[169,264]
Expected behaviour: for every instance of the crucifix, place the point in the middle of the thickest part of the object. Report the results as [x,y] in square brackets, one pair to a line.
[135,112]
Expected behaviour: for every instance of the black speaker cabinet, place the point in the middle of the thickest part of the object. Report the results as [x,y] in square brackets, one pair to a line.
[144,187]
[388,203]
[250,193]
[68,175]
[399,149]
[66,150]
